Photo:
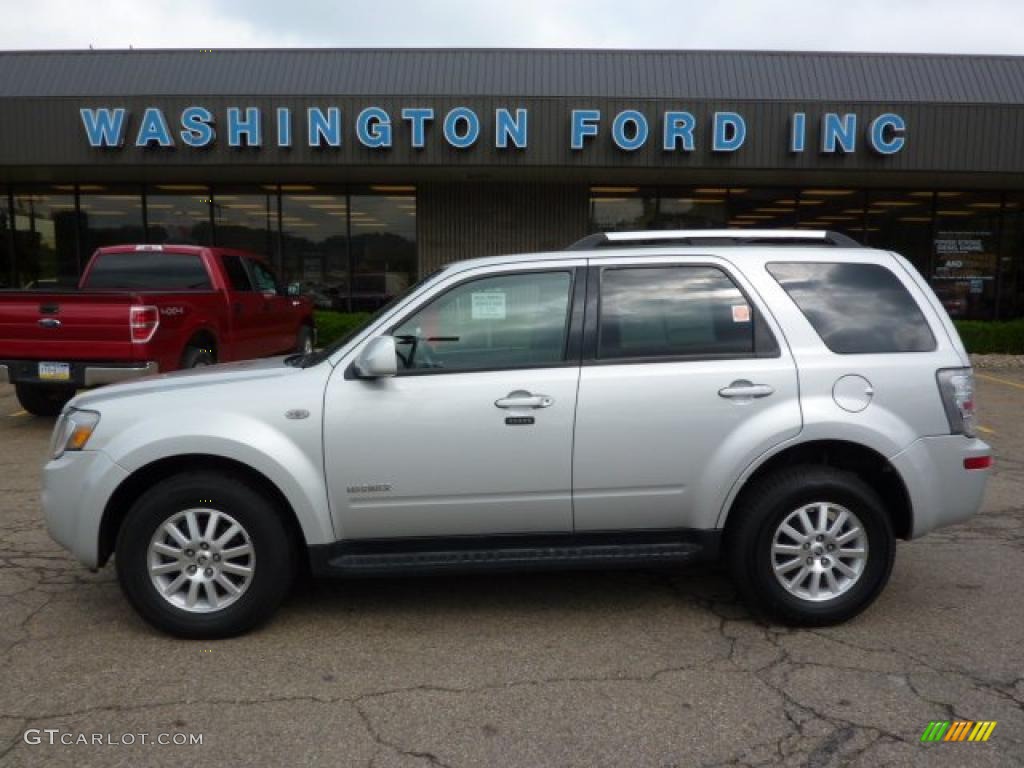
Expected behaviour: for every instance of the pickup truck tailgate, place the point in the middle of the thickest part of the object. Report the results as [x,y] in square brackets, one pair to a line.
[65,326]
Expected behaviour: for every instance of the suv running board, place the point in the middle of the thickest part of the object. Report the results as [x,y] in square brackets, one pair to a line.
[513,553]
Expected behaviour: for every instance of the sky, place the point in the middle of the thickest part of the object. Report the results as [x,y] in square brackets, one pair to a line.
[932,26]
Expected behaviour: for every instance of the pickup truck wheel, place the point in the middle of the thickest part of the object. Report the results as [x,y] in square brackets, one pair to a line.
[813,546]
[202,555]
[43,399]
[304,341]
[195,357]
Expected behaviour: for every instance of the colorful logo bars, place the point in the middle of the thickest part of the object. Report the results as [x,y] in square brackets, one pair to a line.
[960,730]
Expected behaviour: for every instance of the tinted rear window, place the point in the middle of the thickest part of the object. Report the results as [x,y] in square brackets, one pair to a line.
[148,271]
[856,308]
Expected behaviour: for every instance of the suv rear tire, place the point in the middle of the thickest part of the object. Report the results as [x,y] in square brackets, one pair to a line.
[211,530]
[43,399]
[812,546]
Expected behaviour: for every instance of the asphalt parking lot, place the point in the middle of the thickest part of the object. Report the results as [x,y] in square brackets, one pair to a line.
[640,668]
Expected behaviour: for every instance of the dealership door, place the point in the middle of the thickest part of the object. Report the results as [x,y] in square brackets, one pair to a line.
[474,435]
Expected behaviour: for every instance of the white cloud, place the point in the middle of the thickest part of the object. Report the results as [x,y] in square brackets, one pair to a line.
[983,26]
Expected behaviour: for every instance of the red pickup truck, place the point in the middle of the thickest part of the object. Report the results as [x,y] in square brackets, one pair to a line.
[140,309]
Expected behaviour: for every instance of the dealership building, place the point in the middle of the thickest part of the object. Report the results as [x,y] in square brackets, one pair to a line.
[357,171]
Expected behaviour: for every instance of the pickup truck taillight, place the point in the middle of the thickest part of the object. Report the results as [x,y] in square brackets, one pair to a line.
[957,388]
[143,322]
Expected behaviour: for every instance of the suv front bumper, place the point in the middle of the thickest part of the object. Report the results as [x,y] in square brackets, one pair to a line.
[942,492]
[83,374]
[76,489]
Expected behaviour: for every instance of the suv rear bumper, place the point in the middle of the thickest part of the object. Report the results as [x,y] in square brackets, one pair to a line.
[91,374]
[942,492]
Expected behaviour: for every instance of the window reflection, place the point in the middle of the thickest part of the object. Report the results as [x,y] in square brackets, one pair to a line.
[314,241]
[966,251]
[1011,278]
[7,278]
[762,208]
[383,245]
[902,222]
[838,210]
[622,209]
[699,208]
[109,217]
[179,213]
[245,220]
[45,238]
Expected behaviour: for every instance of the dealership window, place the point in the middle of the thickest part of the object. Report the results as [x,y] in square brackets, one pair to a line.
[902,222]
[839,210]
[178,213]
[649,312]
[762,207]
[45,237]
[965,261]
[382,244]
[246,219]
[693,208]
[7,278]
[109,217]
[1011,277]
[622,208]
[314,244]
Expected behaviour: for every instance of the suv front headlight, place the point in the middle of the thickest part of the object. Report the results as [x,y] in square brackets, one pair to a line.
[72,431]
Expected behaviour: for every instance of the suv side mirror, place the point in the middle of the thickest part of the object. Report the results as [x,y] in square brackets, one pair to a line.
[378,359]
[294,289]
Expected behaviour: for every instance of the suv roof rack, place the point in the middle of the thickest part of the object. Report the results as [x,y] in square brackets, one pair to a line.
[713,237]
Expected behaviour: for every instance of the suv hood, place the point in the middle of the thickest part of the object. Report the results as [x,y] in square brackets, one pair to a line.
[205,376]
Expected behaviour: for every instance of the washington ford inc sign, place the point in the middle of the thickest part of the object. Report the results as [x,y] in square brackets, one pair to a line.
[462,128]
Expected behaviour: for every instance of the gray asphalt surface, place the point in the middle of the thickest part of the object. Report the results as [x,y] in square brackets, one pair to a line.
[639,668]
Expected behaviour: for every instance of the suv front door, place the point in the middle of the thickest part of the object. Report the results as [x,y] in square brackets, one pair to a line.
[683,385]
[474,434]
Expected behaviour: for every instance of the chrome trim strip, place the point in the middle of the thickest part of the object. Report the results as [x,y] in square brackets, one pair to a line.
[95,375]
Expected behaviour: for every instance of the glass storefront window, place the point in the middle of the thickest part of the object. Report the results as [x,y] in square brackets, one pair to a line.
[178,213]
[622,208]
[762,208]
[1011,273]
[965,263]
[7,278]
[45,238]
[383,245]
[109,217]
[245,220]
[839,210]
[700,208]
[314,243]
[901,222]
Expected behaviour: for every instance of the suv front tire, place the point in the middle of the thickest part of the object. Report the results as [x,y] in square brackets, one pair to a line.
[203,555]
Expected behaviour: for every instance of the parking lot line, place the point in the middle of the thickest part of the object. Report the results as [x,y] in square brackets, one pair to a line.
[1007,382]
[18,413]
[986,430]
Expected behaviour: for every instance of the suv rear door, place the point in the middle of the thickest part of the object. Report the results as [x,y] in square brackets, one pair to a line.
[683,384]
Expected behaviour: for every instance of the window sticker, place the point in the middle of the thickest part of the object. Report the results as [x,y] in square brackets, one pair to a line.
[488,305]
[740,313]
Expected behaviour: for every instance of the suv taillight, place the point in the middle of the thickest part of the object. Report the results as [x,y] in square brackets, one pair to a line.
[957,388]
[143,322]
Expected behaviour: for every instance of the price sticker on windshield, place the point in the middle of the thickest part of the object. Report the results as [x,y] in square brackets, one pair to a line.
[488,305]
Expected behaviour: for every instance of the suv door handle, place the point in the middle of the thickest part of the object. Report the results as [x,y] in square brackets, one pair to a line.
[523,399]
[745,390]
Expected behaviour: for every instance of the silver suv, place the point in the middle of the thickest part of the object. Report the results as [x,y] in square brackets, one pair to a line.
[789,402]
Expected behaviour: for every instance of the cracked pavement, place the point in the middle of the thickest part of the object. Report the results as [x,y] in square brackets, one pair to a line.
[637,668]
